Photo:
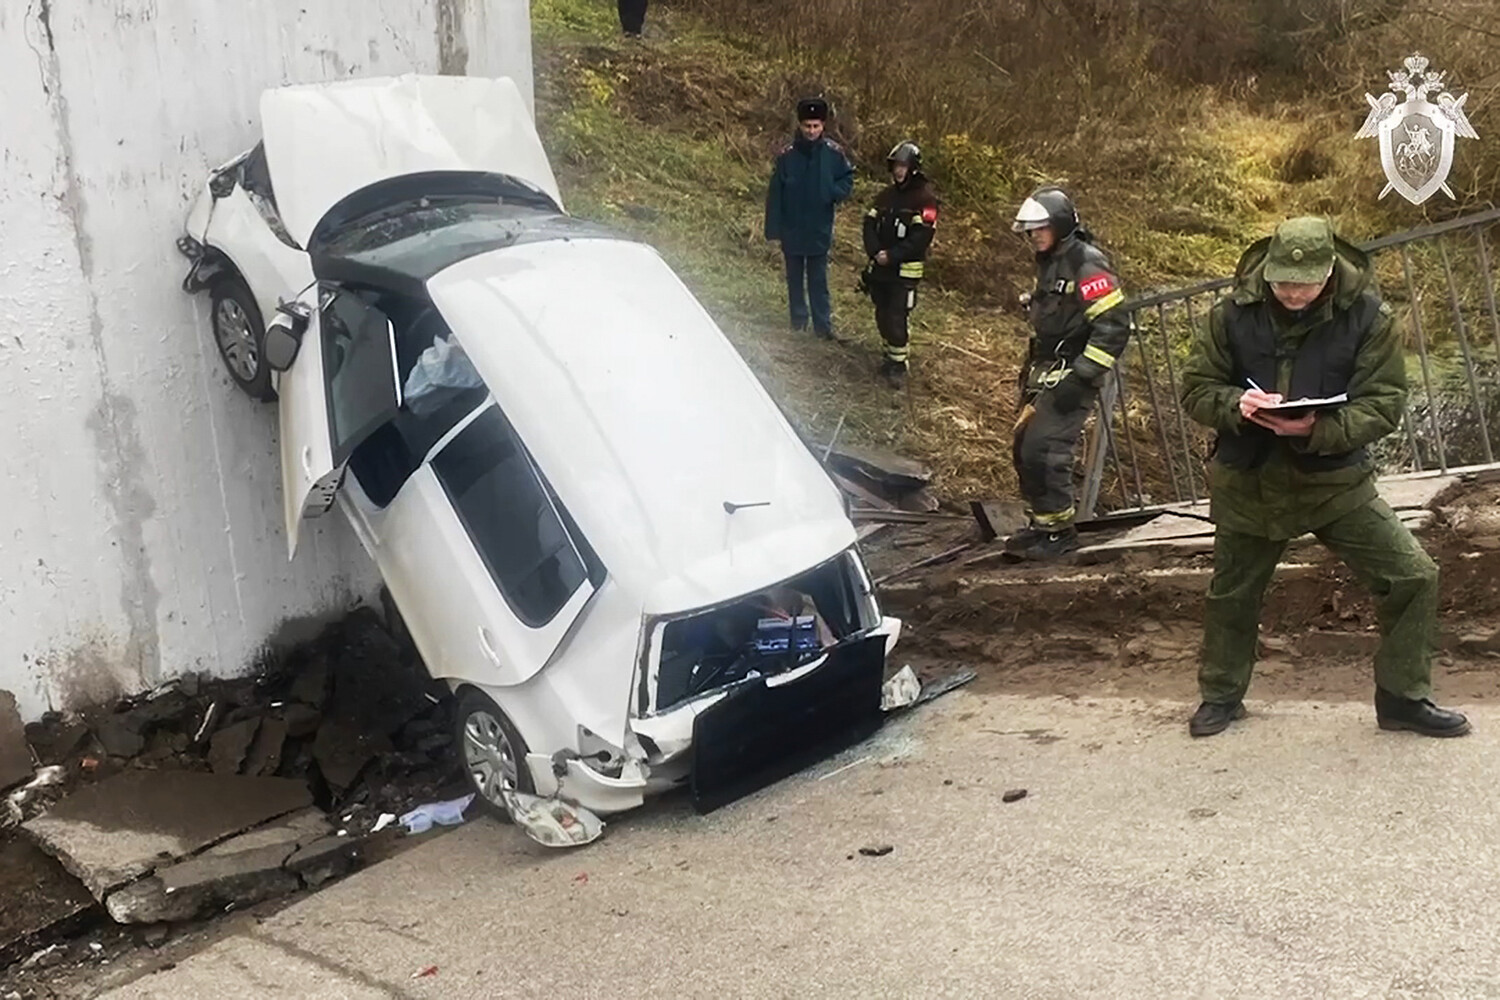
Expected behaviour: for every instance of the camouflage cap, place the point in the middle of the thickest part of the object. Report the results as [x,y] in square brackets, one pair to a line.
[1301,251]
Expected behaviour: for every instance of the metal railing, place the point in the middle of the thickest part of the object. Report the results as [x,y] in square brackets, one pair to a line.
[1144,451]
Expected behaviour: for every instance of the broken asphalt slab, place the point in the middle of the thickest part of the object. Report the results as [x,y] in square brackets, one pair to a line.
[128,825]
[15,753]
[37,894]
[270,861]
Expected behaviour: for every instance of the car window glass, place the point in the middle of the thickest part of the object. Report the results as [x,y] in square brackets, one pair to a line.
[359,368]
[512,521]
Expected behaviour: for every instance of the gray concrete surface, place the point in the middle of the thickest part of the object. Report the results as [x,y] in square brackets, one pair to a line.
[1302,854]
[128,824]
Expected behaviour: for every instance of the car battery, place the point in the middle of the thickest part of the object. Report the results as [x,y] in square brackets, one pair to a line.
[777,636]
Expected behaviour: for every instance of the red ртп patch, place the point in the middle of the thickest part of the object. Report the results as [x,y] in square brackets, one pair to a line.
[929,214]
[1096,287]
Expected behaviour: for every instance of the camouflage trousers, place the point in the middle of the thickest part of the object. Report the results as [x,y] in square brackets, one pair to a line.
[1385,558]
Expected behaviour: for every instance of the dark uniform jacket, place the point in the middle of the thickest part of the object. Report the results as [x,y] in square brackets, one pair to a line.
[1075,313]
[902,222]
[1346,341]
[809,181]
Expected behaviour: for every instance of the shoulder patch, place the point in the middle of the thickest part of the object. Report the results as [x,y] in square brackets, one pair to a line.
[1097,286]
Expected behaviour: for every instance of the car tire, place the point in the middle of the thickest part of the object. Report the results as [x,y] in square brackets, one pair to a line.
[484,738]
[240,335]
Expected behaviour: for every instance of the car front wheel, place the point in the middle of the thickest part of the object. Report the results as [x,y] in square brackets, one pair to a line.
[240,335]
[492,753]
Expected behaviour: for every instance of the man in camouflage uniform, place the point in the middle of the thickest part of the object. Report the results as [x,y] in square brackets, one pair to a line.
[1079,328]
[1304,321]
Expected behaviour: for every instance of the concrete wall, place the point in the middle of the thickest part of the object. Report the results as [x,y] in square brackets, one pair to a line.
[140,498]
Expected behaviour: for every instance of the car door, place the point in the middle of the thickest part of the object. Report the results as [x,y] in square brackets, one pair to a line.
[488,569]
[341,387]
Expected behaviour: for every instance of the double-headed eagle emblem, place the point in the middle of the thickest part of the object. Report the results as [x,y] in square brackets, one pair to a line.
[1416,135]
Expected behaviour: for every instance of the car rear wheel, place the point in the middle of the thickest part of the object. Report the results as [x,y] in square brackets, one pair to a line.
[492,753]
[240,334]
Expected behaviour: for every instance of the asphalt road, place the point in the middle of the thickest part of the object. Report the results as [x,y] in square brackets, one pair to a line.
[1302,854]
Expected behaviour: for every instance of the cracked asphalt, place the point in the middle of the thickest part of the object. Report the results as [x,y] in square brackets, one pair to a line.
[1301,854]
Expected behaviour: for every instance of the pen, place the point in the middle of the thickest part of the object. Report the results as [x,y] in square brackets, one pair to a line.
[1251,383]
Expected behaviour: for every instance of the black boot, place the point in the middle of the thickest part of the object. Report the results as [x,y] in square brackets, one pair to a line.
[1212,718]
[1041,544]
[894,372]
[1419,716]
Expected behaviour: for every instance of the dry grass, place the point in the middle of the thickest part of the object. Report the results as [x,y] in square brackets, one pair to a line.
[1180,146]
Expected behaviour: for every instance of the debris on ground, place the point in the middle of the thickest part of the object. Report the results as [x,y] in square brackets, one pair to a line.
[901,690]
[1013,795]
[552,822]
[207,794]
[877,850]
[39,894]
[15,754]
[449,813]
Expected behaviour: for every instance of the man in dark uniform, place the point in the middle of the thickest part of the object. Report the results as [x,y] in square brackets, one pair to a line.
[811,177]
[1079,329]
[1305,322]
[632,17]
[898,232]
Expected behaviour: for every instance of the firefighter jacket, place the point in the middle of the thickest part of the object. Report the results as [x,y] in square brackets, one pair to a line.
[902,223]
[1076,315]
[807,184]
[1346,341]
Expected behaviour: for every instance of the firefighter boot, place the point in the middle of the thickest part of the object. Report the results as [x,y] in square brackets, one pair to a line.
[1041,544]
[894,372]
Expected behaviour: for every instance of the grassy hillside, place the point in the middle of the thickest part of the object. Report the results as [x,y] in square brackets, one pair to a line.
[1180,148]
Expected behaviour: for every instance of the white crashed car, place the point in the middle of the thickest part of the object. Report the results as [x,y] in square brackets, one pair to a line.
[598,528]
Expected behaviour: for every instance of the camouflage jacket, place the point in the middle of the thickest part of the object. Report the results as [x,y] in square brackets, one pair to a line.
[1283,497]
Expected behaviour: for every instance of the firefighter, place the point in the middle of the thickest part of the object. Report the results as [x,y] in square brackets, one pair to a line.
[898,232]
[1304,321]
[1079,329]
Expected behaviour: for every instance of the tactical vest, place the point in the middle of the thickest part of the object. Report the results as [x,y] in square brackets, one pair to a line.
[1322,365]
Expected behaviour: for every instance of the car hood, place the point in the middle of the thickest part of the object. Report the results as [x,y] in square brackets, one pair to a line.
[645,420]
[325,141]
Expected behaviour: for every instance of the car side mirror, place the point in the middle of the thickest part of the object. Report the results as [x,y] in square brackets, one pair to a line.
[284,340]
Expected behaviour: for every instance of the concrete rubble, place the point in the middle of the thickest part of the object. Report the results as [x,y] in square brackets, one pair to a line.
[210,794]
[38,893]
[113,832]
[15,755]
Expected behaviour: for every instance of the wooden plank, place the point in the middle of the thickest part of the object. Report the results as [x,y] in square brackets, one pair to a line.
[859,492]
[1415,493]
[1203,541]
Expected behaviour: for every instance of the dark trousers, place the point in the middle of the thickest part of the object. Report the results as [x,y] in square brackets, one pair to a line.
[810,273]
[1046,442]
[1384,556]
[894,301]
[632,16]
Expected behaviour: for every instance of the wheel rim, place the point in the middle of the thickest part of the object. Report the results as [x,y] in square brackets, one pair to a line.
[236,339]
[489,757]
